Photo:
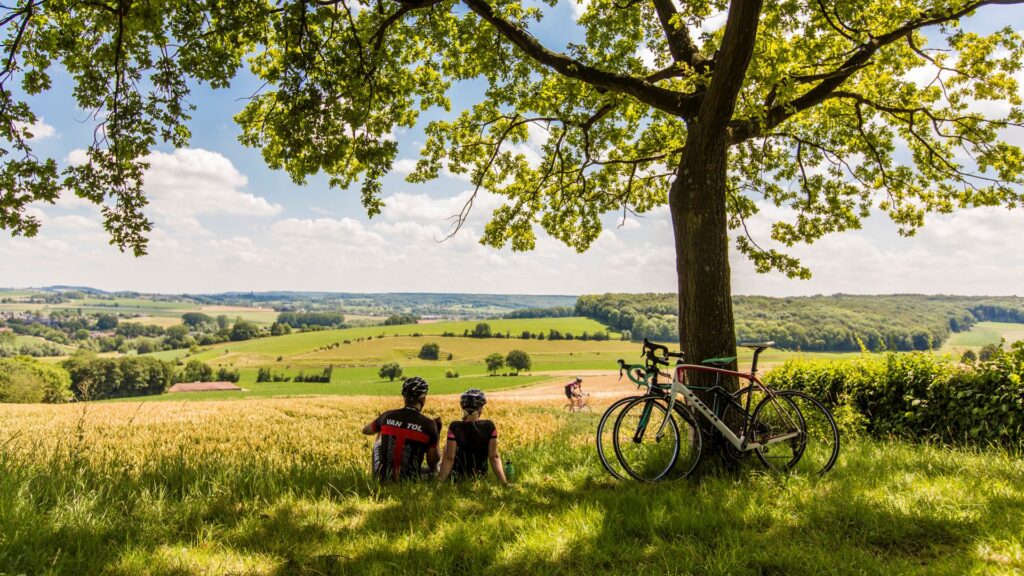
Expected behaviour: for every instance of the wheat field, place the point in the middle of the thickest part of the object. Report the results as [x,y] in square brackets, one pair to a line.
[282,486]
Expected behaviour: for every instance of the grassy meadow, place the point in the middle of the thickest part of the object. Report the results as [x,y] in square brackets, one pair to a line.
[983,333]
[357,361]
[159,312]
[282,487]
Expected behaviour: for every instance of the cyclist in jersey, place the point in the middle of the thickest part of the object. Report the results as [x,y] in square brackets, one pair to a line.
[405,436]
[573,392]
[472,442]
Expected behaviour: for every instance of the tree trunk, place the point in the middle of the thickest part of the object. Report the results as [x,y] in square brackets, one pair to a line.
[699,221]
[697,203]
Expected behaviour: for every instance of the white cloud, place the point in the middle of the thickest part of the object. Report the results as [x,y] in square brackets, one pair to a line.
[423,208]
[39,130]
[77,157]
[404,166]
[193,182]
[579,7]
[345,231]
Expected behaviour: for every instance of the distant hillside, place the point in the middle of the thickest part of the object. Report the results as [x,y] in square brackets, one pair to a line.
[449,305]
[817,323]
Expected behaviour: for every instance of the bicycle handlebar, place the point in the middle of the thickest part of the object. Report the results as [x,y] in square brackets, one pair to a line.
[650,351]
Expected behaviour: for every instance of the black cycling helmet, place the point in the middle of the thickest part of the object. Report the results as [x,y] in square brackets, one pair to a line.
[473,399]
[414,387]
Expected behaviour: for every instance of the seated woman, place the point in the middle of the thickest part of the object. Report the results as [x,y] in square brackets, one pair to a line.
[472,442]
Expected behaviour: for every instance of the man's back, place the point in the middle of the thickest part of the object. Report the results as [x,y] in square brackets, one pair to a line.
[404,436]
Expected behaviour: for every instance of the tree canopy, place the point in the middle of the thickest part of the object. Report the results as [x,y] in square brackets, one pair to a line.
[833,95]
[828,109]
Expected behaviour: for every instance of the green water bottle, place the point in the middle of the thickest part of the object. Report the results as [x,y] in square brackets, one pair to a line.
[510,471]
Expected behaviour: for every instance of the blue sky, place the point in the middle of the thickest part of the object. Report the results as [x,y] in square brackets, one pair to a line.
[224,221]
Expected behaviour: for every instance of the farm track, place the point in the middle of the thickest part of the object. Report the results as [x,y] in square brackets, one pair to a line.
[597,383]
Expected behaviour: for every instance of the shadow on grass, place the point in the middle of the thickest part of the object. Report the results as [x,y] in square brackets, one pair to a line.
[887,508]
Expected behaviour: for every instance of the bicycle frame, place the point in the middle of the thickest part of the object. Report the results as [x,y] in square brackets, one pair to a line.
[741,442]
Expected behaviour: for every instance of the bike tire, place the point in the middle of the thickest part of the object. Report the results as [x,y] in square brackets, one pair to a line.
[776,414]
[821,435]
[604,431]
[644,456]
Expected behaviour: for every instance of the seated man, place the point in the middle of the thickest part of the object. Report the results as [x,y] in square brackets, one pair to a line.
[405,436]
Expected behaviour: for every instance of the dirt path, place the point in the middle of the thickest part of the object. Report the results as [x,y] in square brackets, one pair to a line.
[597,383]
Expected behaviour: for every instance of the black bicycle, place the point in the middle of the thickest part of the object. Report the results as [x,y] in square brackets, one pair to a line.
[656,436]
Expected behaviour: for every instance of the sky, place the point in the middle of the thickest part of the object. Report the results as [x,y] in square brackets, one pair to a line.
[226,222]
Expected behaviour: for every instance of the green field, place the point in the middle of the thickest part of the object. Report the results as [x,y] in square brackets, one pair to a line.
[19,340]
[345,382]
[156,310]
[984,333]
[282,487]
[356,363]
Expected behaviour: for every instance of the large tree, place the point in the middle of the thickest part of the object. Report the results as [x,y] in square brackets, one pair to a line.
[830,108]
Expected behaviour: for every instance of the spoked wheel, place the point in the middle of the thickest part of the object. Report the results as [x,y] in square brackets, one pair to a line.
[605,441]
[777,417]
[735,415]
[821,435]
[644,454]
[585,407]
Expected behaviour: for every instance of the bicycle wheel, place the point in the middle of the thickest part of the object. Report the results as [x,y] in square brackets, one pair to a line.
[605,440]
[821,435]
[776,416]
[735,415]
[644,455]
[585,407]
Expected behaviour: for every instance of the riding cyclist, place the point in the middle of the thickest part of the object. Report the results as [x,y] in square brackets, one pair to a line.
[405,436]
[472,442]
[574,392]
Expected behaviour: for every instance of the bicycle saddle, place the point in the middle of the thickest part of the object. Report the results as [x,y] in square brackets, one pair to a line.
[756,345]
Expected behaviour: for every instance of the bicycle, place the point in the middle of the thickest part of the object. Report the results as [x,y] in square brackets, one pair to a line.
[785,427]
[578,404]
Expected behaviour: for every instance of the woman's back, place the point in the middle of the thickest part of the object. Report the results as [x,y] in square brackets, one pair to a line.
[472,439]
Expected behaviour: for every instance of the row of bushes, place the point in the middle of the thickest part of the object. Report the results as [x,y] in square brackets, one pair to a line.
[527,335]
[920,395]
[98,378]
[196,371]
[322,377]
[26,380]
[86,377]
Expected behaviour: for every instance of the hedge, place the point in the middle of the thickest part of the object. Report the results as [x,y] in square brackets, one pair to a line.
[919,395]
[98,378]
[26,380]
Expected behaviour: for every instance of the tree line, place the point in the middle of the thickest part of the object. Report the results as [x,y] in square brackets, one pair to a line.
[815,323]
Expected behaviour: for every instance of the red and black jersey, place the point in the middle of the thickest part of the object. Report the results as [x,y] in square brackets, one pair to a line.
[472,440]
[403,438]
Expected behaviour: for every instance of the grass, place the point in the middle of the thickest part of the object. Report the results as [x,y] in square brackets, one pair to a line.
[20,340]
[281,487]
[161,321]
[345,382]
[984,333]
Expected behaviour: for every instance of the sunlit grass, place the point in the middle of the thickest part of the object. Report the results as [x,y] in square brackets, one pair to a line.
[282,487]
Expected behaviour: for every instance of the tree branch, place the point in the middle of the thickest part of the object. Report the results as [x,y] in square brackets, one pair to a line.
[675,103]
[680,45]
[731,65]
[741,130]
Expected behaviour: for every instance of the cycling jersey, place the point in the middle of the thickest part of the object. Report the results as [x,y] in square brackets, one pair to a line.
[403,438]
[569,389]
[472,439]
